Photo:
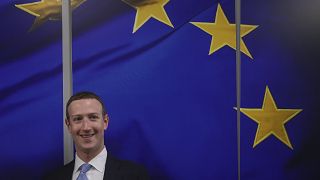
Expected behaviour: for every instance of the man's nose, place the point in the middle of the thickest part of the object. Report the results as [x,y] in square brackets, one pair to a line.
[85,124]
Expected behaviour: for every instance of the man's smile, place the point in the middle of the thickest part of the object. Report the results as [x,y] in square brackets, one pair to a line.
[87,135]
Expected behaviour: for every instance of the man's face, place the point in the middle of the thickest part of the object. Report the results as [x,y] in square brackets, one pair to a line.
[86,124]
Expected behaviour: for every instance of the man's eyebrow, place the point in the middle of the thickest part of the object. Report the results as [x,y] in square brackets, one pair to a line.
[76,115]
[94,113]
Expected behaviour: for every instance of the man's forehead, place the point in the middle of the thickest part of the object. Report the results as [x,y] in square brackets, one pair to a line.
[85,104]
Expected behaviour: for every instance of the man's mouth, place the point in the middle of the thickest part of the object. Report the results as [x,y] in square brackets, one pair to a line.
[87,135]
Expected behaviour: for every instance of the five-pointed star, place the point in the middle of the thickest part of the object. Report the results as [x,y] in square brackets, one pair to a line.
[270,119]
[45,10]
[223,33]
[147,9]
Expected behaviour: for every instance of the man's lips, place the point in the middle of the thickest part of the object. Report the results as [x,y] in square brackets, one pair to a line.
[87,135]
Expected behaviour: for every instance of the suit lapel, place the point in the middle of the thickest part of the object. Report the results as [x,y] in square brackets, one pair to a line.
[69,170]
[111,168]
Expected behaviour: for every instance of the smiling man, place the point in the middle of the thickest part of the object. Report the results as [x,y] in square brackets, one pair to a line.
[86,119]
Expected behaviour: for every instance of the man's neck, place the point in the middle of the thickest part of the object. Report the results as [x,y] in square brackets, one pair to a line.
[88,156]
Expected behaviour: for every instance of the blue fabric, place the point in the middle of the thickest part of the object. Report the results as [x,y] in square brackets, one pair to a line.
[30,95]
[285,59]
[84,168]
[170,104]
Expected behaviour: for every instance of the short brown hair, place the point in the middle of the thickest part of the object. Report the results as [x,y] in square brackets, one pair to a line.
[84,95]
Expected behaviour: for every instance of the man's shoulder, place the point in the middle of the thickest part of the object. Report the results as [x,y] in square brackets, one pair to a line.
[125,168]
[115,169]
[62,173]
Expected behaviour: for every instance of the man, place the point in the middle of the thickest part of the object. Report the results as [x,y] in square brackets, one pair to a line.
[86,119]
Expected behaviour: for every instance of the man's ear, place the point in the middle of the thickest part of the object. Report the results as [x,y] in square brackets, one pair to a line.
[106,121]
[67,122]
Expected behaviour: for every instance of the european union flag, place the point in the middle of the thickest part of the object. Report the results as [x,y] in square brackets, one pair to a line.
[30,95]
[170,103]
[166,71]
[281,85]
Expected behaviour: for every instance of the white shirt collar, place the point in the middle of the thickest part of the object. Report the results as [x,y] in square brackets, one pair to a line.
[97,162]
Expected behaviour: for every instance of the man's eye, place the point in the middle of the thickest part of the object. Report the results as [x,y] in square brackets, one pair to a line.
[94,117]
[77,119]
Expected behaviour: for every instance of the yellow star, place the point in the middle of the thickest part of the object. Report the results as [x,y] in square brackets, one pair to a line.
[46,10]
[270,120]
[223,33]
[147,9]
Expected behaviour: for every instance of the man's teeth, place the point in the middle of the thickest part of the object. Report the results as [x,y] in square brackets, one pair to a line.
[86,135]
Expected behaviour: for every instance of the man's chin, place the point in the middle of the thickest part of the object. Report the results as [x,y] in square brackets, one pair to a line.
[86,147]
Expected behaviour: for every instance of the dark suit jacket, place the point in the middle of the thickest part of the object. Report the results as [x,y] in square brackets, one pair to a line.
[114,170]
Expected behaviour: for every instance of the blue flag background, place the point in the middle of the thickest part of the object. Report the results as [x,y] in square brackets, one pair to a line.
[170,103]
[286,60]
[30,95]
